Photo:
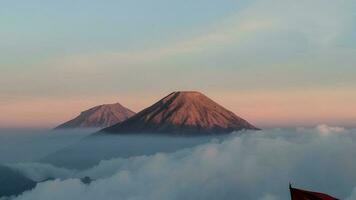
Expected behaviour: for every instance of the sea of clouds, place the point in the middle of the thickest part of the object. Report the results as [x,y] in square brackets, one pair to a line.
[253,165]
[29,145]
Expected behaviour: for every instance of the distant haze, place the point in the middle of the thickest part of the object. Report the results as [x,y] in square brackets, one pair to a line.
[250,166]
[262,108]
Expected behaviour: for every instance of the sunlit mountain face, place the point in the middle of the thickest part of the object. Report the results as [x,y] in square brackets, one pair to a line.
[182,113]
[101,116]
[248,99]
[276,63]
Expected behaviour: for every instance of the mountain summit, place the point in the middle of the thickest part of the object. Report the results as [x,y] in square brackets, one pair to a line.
[182,113]
[99,117]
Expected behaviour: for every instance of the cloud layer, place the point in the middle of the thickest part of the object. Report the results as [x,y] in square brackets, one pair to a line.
[249,166]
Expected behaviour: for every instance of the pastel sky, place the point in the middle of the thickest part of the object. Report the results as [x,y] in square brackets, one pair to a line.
[274,62]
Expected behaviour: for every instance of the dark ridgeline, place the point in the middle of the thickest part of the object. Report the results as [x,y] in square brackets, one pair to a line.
[13,182]
[99,117]
[182,113]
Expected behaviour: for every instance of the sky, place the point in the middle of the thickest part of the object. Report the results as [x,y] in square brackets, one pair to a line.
[276,63]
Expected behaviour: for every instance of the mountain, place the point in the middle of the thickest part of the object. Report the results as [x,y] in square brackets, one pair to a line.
[99,117]
[13,182]
[182,113]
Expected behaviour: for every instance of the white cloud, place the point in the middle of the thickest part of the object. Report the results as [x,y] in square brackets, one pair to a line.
[269,197]
[320,23]
[352,196]
[323,130]
[272,37]
[326,130]
[250,166]
[40,171]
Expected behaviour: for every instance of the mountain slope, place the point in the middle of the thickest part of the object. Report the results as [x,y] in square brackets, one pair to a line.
[182,113]
[13,182]
[99,117]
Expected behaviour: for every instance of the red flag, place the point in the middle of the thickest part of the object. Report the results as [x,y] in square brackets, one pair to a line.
[298,194]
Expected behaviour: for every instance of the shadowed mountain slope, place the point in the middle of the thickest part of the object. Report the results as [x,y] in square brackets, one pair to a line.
[13,182]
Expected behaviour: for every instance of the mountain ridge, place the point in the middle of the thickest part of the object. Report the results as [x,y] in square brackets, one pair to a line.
[182,112]
[100,116]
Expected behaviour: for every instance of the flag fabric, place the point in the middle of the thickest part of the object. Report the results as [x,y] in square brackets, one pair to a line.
[298,194]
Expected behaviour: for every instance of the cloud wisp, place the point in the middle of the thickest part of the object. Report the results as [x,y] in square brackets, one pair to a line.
[249,166]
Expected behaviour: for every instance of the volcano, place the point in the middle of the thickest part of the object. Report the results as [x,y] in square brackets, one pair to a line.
[182,113]
[99,117]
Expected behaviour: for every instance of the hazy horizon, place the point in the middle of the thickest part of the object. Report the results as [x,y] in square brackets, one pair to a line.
[276,116]
[286,68]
